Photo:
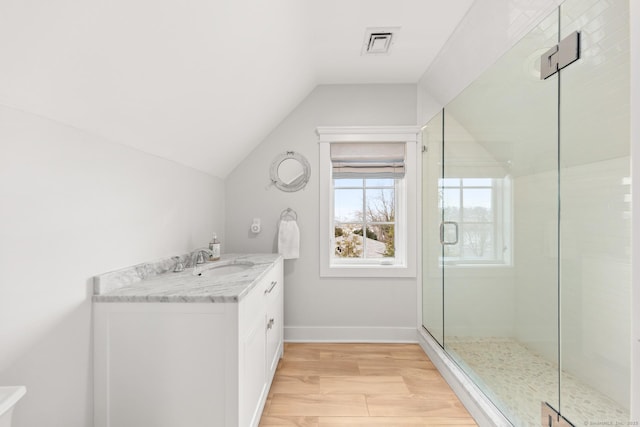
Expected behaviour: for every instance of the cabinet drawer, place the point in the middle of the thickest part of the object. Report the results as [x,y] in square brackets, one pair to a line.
[257,300]
[272,282]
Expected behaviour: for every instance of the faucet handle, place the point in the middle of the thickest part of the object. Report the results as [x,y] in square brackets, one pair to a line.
[179,264]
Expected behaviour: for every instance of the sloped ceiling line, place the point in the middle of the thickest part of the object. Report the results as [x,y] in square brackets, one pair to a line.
[202,82]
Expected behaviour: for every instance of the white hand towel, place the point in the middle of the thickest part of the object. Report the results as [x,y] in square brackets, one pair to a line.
[289,239]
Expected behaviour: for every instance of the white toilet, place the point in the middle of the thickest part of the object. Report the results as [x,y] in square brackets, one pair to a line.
[9,396]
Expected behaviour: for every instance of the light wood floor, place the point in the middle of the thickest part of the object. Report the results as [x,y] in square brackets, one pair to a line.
[327,385]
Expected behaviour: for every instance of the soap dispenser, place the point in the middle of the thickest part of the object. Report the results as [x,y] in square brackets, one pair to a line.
[214,247]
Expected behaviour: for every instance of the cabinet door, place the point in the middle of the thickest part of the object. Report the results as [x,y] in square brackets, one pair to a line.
[252,371]
[275,330]
[162,365]
[260,320]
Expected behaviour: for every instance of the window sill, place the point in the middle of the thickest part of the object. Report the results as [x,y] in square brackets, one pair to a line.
[369,270]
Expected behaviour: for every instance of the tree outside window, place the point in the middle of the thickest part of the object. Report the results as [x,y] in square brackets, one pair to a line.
[364,218]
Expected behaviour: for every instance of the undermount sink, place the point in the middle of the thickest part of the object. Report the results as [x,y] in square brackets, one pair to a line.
[222,270]
[9,396]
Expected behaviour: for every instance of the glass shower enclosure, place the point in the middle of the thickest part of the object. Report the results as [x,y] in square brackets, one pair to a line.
[527,223]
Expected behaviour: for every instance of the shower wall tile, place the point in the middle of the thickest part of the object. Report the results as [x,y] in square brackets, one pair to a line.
[479,307]
[596,276]
[595,236]
[595,273]
[536,262]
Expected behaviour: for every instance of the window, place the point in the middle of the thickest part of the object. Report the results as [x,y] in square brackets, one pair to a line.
[364,212]
[367,202]
[476,214]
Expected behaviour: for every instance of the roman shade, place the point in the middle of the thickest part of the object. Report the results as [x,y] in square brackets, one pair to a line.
[368,160]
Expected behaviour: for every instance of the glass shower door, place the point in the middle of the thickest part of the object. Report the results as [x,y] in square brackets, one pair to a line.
[432,286]
[499,229]
[595,221]
[527,224]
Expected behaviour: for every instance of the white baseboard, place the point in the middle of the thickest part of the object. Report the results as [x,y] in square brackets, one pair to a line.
[350,334]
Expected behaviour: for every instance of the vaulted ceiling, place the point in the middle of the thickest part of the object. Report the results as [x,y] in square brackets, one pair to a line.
[202,82]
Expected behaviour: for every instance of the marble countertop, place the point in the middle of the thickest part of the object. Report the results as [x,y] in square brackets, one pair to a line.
[156,282]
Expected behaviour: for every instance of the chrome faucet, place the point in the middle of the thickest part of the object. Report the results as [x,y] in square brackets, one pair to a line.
[179,264]
[193,260]
[198,254]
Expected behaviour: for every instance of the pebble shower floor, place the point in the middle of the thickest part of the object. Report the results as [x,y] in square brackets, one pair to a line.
[519,379]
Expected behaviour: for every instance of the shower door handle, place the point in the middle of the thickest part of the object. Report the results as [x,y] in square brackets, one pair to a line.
[442,225]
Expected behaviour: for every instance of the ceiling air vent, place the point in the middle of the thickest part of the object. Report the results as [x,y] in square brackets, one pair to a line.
[378,41]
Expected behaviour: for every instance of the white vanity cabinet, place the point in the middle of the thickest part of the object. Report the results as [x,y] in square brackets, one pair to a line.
[275,327]
[192,364]
[261,344]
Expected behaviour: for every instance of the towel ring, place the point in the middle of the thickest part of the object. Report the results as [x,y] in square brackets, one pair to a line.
[289,214]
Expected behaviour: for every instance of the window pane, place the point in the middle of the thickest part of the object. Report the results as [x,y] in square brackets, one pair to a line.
[451,204]
[348,244]
[380,205]
[380,182]
[381,241]
[348,205]
[477,241]
[347,183]
[450,251]
[450,182]
[477,205]
[476,182]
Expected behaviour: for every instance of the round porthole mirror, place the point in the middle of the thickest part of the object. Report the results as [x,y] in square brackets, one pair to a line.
[290,171]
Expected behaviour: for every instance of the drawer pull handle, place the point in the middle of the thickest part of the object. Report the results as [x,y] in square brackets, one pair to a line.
[270,323]
[273,285]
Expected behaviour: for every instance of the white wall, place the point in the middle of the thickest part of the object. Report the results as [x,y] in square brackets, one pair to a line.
[73,206]
[635,190]
[324,308]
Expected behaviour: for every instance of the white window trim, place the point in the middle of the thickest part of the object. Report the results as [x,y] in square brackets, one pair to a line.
[331,135]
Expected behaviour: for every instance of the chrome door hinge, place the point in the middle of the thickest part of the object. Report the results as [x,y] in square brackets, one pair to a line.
[551,417]
[559,56]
